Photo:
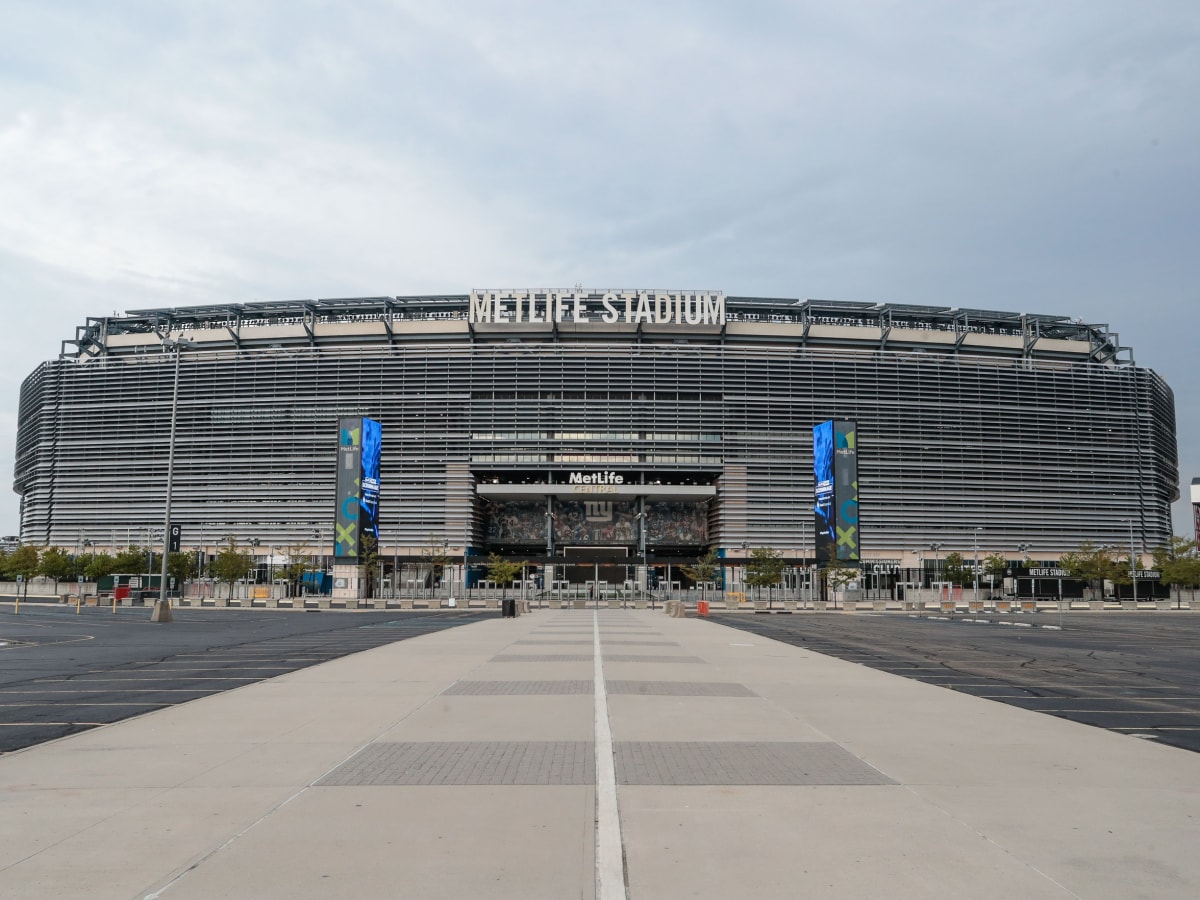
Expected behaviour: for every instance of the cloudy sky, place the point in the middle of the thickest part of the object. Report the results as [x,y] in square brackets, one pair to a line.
[1022,156]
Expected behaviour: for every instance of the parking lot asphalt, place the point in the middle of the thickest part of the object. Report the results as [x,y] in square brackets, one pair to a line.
[1136,674]
[62,673]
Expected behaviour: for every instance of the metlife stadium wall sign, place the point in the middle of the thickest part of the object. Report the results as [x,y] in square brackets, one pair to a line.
[510,307]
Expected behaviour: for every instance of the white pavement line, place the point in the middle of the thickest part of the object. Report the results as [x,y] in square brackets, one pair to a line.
[610,868]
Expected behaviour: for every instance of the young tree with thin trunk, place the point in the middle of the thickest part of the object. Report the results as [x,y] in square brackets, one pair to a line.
[231,563]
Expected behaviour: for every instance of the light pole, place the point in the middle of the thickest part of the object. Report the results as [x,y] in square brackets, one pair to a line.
[1132,564]
[937,569]
[316,538]
[976,531]
[1023,550]
[911,603]
[162,609]
[643,578]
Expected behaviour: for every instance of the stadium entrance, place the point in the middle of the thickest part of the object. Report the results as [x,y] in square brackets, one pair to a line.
[596,528]
[599,565]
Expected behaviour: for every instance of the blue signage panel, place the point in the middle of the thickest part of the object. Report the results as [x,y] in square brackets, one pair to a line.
[360,448]
[372,449]
[823,476]
[835,474]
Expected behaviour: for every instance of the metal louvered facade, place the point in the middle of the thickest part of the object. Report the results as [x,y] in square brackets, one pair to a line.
[1038,430]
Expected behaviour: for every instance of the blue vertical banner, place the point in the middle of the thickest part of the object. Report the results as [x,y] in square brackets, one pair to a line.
[826,538]
[835,473]
[372,450]
[845,491]
[360,443]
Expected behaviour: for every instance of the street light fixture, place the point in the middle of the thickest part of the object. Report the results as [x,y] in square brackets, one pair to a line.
[162,609]
[1132,564]
[976,531]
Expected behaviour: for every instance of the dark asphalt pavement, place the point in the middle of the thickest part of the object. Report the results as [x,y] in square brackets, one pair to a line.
[61,673]
[1137,674]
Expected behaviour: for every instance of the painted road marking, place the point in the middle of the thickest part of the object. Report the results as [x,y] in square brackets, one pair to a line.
[610,869]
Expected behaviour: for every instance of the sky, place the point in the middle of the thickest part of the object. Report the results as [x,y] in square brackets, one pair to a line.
[1015,156]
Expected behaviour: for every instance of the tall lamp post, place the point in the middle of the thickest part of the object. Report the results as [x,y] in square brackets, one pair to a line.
[1132,564]
[1023,550]
[641,520]
[937,569]
[318,559]
[976,531]
[162,609]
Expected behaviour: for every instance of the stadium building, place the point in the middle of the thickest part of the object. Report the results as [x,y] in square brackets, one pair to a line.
[599,431]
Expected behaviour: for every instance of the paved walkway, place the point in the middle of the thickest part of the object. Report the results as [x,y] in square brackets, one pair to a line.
[509,759]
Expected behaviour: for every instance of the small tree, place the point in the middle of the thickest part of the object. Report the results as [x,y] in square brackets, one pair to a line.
[956,570]
[765,567]
[1093,565]
[99,565]
[838,574]
[435,554]
[706,568]
[55,564]
[502,571]
[368,561]
[24,561]
[136,559]
[1179,563]
[180,566]
[231,563]
[995,566]
[295,567]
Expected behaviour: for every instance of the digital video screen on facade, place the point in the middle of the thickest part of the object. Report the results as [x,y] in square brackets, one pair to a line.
[835,476]
[601,522]
[360,446]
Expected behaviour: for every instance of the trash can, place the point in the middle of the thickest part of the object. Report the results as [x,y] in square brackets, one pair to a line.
[508,608]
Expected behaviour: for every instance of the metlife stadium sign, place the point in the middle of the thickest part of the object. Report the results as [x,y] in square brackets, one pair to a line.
[578,306]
